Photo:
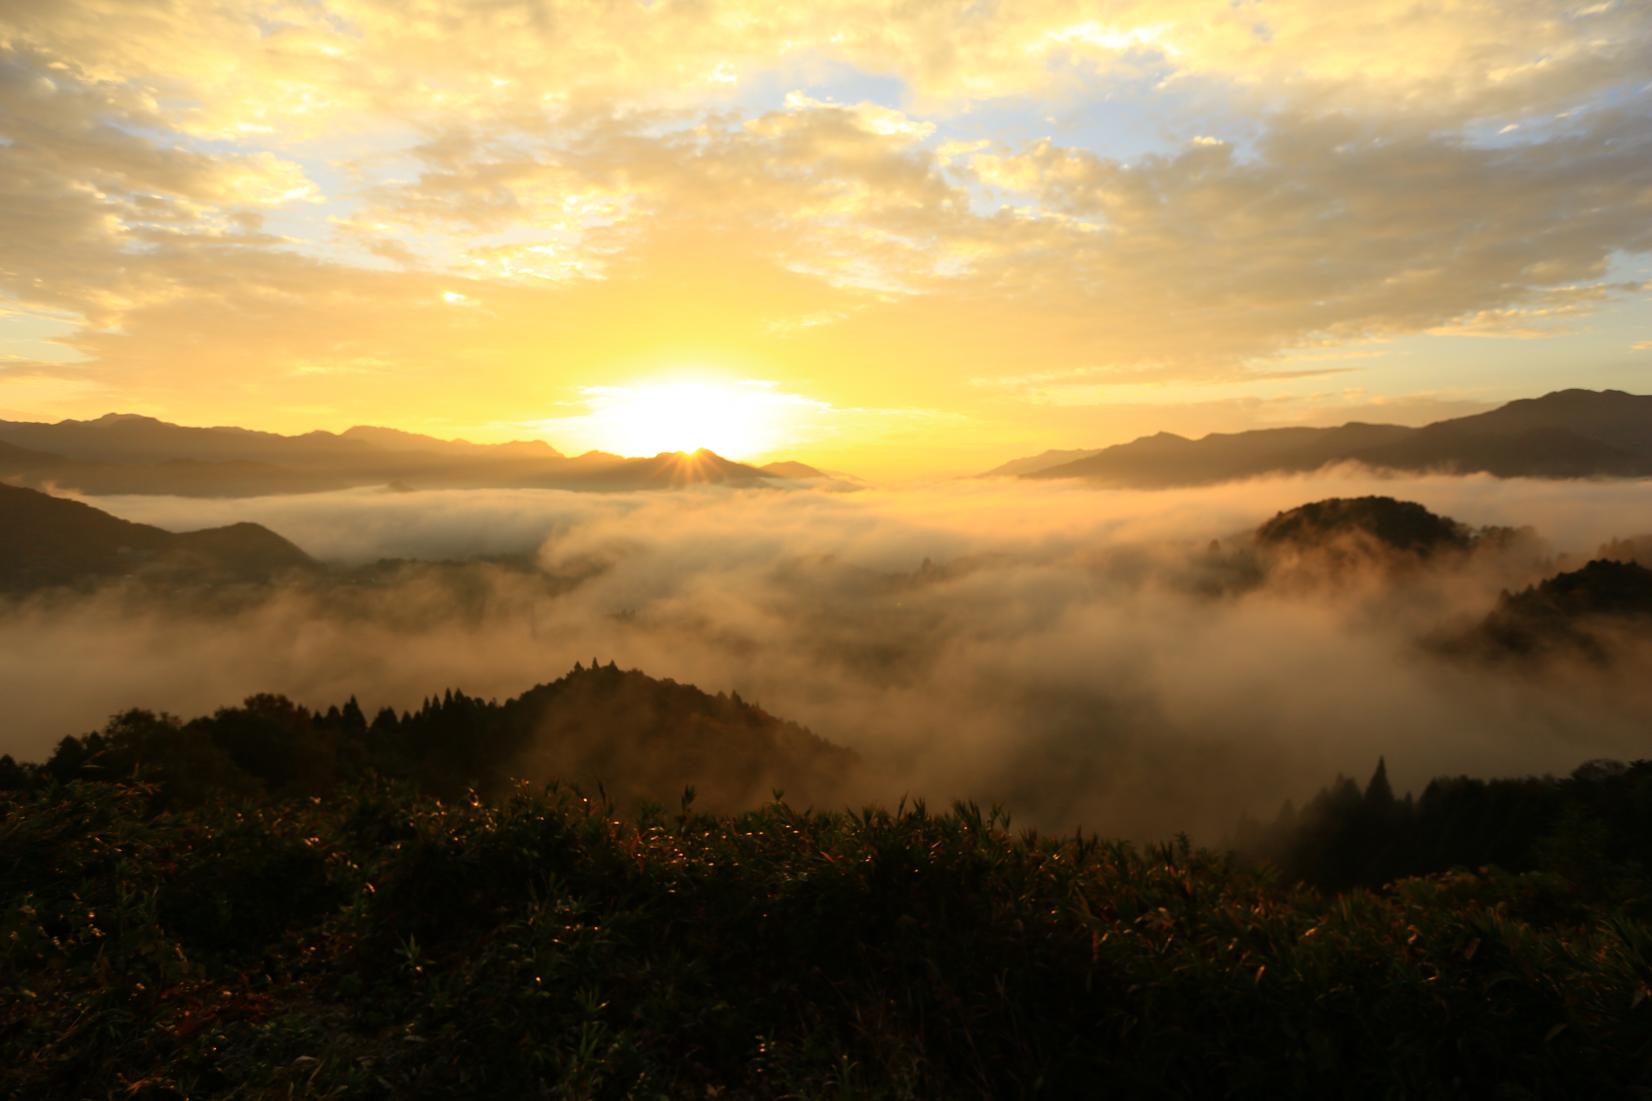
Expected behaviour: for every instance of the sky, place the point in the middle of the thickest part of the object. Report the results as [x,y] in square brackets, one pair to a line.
[891,238]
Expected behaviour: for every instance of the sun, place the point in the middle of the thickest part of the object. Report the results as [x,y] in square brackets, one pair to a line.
[737,420]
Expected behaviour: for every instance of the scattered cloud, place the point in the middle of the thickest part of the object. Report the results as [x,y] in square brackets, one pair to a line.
[226,193]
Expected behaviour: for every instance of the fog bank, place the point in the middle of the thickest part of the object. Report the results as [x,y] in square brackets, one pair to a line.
[1080,655]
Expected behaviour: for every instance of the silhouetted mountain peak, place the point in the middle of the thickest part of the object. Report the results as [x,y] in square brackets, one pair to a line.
[127,453]
[792,469]
[243,548]
[1397,525]
[1044,460]
[644,738]
[46,540]
[398,440]
[1564,434]
[1576,395]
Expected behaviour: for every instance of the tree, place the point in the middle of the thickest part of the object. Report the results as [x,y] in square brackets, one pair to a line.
[1379,796]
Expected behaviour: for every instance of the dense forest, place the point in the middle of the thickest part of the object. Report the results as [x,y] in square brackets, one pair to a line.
[638,744]
[1592,828]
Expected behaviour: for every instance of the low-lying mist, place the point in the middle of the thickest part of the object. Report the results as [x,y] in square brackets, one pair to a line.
[1085,657]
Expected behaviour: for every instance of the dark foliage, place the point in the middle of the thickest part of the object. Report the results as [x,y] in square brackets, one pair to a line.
[381,944]
[639,738]
[1579,611]
[1593,828]
[265,903]
[1396,525]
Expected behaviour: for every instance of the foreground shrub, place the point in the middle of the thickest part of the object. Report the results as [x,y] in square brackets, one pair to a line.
[386,944]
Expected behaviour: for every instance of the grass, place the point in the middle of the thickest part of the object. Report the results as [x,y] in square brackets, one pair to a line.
[383,944]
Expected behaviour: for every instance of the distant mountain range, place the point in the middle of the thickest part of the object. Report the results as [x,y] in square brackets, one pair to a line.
[46,541]
[790,469]
[124,453]
[1044,460]
[1567,434]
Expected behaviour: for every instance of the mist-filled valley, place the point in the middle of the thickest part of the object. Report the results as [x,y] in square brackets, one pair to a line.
[1134,663]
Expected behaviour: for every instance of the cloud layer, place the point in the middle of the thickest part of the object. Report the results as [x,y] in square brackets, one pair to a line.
[1081,656]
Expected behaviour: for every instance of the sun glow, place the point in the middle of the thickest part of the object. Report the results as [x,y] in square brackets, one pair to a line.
[737,420]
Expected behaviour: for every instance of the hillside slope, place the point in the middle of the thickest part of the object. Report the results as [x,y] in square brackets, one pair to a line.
[46,540]
[634,737]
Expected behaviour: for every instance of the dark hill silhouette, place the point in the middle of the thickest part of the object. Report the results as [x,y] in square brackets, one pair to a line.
[14,458]
[1514,453]
[394,439]
[1566,434]
[1599,588]
[243,550]
[792,469]
[128,437]
[1396,525]
[1340,540]
[47,540]
[1582,611]
[1589,827]
[1044,460]
[125,453]
[644,739]
[1166,459]
[609,731]
[1611,417]
[667,470]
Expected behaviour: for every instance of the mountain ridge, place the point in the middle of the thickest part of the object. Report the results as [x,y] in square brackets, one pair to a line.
[46,541]
[1563,434]
[129,453]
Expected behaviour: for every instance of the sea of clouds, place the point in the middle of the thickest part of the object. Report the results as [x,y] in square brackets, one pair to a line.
[1085,657]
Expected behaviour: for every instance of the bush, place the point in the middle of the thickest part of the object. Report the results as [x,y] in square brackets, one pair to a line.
[381,943]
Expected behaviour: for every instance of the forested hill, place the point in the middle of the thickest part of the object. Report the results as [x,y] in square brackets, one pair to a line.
[1597,612]
[1593,828]
[631,737]
[1402,526]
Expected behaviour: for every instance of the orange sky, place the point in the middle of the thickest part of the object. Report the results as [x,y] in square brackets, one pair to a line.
[889,239]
